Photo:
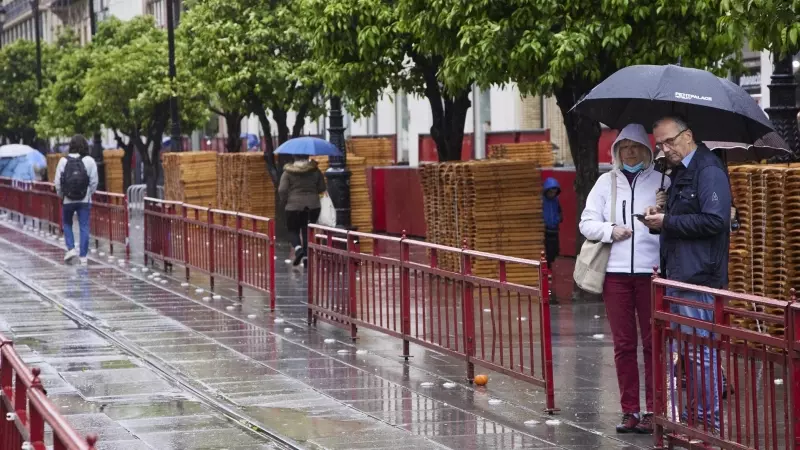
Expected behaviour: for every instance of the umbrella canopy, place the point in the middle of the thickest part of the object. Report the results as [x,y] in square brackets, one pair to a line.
[715,108]
[309,146]
[767,147]
[14,150]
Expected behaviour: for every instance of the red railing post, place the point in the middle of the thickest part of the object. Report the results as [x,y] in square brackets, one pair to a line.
[405,294]
[211,247]
[311,239]
[185,233]
[792,338]
[352,290]
[127,226]
[659,361]
[107,211]
[271,263]
[239,256]
[547,338]
[468,312]
[145,230]
[35,420]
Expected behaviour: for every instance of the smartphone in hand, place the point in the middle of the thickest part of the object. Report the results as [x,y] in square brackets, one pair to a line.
[639,216]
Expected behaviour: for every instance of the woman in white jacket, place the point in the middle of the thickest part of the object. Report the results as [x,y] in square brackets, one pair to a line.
[634,253]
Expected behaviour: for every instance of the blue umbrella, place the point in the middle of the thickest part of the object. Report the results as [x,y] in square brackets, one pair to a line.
[309,146]
[252,139]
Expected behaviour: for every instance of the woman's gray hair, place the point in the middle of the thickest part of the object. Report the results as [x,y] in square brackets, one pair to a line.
[647,155]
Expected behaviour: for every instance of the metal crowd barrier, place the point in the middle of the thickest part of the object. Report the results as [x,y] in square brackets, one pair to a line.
[401,290]
[26,409]
[236,246]
[754,376]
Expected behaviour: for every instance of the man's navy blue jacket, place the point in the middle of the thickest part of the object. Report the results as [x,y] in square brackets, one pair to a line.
[696,231]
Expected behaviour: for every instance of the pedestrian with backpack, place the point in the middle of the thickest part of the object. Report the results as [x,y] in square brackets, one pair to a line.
[76,181]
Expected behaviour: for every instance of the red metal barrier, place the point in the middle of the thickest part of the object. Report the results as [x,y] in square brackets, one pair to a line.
[34,200]
[743,366]
[489,322]
[26,409]
[109,220]
[236,246]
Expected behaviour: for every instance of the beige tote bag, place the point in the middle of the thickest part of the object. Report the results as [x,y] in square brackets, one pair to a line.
[591,264]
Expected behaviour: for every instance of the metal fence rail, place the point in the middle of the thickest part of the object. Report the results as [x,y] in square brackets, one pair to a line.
[109,220]
[236,246]
[26,409]
[753,375]
[489,322]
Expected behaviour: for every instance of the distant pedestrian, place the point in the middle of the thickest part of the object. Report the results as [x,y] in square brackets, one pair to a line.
[76,182]
[301,186]
[552,219]
[634,253]
[695,234]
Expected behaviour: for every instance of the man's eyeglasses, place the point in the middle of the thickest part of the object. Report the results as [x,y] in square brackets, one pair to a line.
[669,142]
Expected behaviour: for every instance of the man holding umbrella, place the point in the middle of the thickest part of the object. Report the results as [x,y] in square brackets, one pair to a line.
[695,234]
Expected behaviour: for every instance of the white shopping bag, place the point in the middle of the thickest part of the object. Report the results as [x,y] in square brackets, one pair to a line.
[327,214]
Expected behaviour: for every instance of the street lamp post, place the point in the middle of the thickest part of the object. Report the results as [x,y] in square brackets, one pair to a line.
[2,23]
[337,174]
[38,30]
[176,143]
[783,104]
[97,141]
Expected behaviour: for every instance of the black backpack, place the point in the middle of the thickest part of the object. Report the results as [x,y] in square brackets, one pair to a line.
[74,179]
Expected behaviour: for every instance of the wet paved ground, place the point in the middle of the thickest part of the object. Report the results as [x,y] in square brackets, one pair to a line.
[311,385]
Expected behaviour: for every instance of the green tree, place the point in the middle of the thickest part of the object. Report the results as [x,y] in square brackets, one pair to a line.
[18,108]
[772,25]
[364,47]
[58,101]
[254,59]
[128,86]
[564,48]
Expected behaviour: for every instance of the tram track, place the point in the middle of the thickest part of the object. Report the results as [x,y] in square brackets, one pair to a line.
[163,370]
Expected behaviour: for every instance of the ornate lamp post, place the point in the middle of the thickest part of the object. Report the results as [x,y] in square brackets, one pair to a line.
[2,22]
[176,143]
[97,141]
[783,104]
[337,174]
[37,29]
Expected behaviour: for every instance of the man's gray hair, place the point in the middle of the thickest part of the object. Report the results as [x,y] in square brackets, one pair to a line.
[679,121]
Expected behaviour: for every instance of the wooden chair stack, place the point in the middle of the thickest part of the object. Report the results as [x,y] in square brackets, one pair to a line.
[375,151]
[52,165]
[540,153]
[112,163]
[495,205]
[191,177]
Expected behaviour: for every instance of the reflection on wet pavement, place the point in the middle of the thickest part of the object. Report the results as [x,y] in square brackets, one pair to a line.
[285,376]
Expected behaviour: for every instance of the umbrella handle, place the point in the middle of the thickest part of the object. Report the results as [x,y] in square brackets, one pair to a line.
[663,175]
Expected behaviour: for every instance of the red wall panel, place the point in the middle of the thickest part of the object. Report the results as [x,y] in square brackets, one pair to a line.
[403,200]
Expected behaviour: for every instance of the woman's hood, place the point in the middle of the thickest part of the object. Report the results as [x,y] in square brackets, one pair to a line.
[301,166]
[551,183]
[634,132]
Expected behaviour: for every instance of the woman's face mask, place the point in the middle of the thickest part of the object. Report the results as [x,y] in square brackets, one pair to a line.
[633,169]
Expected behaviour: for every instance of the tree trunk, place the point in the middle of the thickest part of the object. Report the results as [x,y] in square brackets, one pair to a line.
[127,167]
[283,135]
[269,154]
[233,121]
[583,135]
[447,130]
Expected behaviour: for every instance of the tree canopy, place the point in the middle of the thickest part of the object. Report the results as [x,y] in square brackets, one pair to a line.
[363,48]
[772,25]
[127,85]
[254,58]
[564,48]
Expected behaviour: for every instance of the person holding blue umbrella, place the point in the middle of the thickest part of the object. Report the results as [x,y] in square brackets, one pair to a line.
[301,186]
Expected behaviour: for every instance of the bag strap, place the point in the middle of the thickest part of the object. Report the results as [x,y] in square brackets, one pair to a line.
[613,196]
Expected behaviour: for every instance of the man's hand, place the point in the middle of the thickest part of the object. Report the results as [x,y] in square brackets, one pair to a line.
[620,233]
[653,221]
[652,210]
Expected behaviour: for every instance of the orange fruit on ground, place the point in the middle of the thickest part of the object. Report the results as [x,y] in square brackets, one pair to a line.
[481,380]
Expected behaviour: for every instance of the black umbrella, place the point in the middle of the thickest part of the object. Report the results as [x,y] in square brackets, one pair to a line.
[769,146]
[715,108]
